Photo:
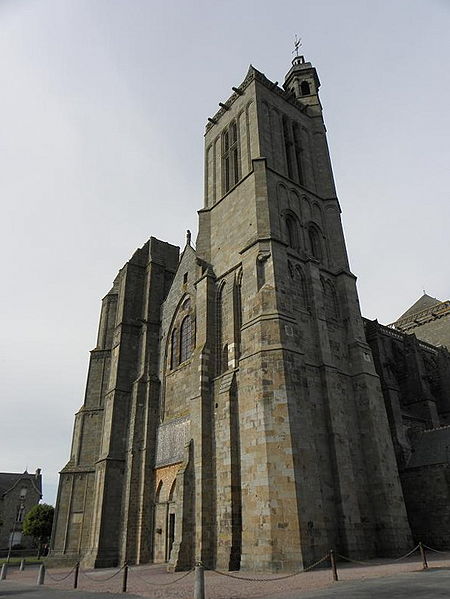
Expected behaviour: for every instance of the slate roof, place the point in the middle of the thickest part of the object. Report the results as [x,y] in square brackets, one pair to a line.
[424,302]
[9,479]
[433,447]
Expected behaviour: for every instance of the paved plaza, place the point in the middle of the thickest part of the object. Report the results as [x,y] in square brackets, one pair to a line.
[420,585]
[380,579]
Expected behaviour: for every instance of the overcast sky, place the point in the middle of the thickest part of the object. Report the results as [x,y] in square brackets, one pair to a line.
[102,107]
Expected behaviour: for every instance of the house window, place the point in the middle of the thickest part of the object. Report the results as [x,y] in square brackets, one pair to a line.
[20,513]
[230,157]
[15,538]
[185,339]
[23,493]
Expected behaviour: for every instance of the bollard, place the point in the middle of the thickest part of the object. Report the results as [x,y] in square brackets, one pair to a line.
[333,565]
[41,575]
[424,556]
[125,578]
[199,585]
[75,576]
[22,565]
[4,571]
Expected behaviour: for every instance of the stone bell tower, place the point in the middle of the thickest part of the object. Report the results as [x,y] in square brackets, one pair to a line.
[316,464]
[232,413]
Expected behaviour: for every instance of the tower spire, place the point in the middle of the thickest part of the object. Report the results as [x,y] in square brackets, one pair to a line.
[302,80]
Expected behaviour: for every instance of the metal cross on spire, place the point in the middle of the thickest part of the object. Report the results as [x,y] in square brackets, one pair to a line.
[297,44]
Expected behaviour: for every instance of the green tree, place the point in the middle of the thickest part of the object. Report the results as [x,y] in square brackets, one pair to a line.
[38,524]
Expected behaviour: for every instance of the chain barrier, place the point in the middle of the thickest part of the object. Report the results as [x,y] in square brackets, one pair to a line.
[361,563]
[322,559]
[59,579]
[161,584]
[353,561]
[135,571]
[95,579]
[435,550]
[397,559]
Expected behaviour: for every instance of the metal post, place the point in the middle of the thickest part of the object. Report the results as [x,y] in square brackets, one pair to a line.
[333,565]
[22,565]
[125,578]
[4,571]
[75,576]
[424,556]
[10,546]
[41,575]
[199,584]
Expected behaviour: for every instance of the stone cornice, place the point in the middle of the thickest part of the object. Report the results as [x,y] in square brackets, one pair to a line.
[419,318]
[255,75]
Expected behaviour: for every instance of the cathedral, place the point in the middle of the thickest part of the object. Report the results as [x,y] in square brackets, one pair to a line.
[233,412]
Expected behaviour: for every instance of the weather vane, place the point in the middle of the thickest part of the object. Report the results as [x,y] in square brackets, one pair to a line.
[297,44]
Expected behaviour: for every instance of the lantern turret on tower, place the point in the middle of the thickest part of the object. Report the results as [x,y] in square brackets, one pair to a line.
[303,81]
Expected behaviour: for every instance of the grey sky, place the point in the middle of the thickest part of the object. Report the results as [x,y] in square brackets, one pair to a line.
[103,105]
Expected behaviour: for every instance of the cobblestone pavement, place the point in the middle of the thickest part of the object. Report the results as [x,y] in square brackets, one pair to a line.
[19,590]
[430,584]
[154,582]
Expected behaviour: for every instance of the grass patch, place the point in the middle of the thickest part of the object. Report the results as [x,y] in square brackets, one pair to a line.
[31,559]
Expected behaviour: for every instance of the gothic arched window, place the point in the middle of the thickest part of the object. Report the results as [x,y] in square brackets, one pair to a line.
[230,157]
[331,301]
[224,358]
[298,153]
[302,288]
[181,340]
[315,244]
[238,311]
[287,145]
[220,365]
[292,231]
[173,349]
[185,338]
[305,88]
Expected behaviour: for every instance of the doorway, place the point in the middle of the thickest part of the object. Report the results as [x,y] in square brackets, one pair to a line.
[170,535]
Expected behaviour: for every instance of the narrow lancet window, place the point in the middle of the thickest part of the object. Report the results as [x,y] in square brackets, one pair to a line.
[238,312]
[302,288]
[298,153]
[220,365]
[173,349]
[292,232]
[230,157]
[331,301]
[185,339]
[287,146]
[314,242]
